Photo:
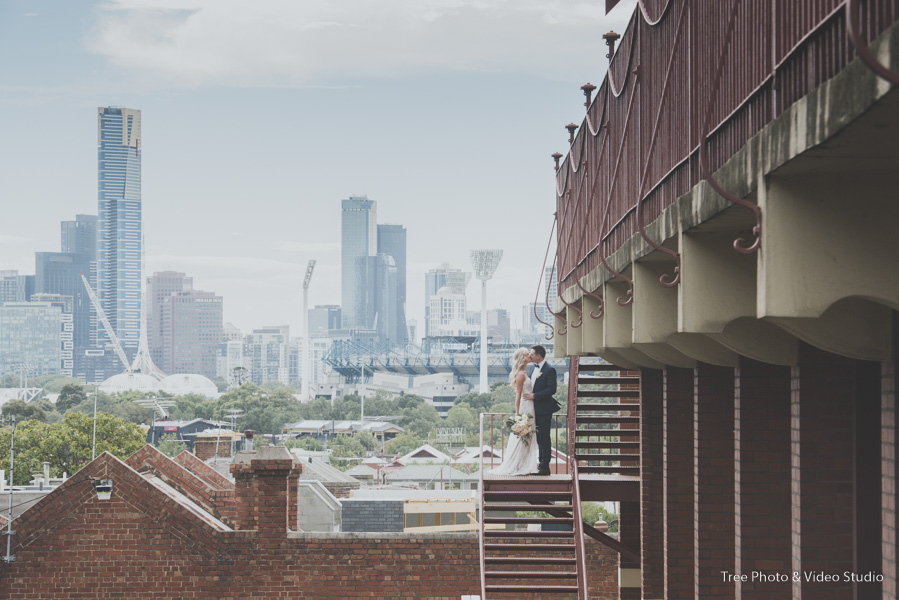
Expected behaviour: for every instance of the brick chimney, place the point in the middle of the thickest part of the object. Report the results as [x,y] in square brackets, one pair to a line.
[265,483]
[207,446]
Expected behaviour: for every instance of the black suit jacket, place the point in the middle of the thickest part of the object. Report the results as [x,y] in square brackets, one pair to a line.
[544,389]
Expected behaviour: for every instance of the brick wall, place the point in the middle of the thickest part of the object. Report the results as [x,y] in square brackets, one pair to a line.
[341,489]
[204,471]
[889,475]
[206,447]
[144,544]
[372,515]
[652,509]
[762,449]
[822,450]
[678,482]
[713,480]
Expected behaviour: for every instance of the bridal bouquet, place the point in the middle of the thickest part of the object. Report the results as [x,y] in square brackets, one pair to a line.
[522,426]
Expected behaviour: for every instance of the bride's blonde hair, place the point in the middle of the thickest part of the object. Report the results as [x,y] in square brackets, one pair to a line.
[519,360]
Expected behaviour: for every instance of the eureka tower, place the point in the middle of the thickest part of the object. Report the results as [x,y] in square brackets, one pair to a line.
[119,237]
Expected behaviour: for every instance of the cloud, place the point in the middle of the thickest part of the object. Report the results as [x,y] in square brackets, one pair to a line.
[13,239]
[289,43]
[307,247]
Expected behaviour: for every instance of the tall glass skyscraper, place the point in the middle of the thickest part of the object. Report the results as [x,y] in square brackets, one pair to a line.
[119,238]
[359,239]
[392,242]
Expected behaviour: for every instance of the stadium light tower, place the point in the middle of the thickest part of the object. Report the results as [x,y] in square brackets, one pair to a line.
[307,358]
[484,263]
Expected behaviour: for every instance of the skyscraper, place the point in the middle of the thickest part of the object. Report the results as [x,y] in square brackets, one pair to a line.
[359,239]
[392,242]
[434,280]
[80,236]
[376,297]
[119,237]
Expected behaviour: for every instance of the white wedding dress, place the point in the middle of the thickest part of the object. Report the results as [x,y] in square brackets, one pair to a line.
[520,458]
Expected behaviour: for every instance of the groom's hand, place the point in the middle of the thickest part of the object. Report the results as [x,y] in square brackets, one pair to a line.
[528,396]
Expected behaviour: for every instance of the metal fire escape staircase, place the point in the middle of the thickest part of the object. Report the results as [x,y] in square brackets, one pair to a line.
[548,558]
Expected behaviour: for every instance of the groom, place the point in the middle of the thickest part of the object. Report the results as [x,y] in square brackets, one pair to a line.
[543,384]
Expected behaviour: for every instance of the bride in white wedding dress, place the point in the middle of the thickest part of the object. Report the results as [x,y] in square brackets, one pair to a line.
[520,456]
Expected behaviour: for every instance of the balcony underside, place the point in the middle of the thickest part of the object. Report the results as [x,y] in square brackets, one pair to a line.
[825,181]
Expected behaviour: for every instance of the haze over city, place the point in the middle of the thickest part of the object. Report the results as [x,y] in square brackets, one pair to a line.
[258,118]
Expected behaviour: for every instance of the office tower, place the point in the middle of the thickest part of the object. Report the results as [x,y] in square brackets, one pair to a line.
[376,297]
[231,353]
[160,286]
[59,273]
[392,242]
[324,318]
[30,334]
[66,329]
[447,315]
[184,325]
[359,239]
[434,280]
[79,236]
[15,287]
[119,238]
[499,325]
[267,351]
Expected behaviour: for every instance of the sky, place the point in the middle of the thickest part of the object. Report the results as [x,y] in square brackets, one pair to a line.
[259,117]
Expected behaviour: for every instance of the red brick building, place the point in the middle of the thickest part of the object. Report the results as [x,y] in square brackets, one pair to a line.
[177,529]
[727,215]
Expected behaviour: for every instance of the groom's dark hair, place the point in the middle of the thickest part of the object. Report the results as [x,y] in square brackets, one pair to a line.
[539,351]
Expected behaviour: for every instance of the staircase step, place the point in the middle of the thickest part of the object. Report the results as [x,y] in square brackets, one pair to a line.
[531,589]
[609,470]
[526,507]
[530,575]
[524,495]
[607,433]
[502,533]
[607,380]
[527,520]
[597,456]
[608,394]
[582,406]
[591,368]
[605,445]
[548,547]
[578,445]
[530,560]
[581,418]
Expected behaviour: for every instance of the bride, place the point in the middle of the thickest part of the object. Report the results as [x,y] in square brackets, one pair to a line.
[520,455]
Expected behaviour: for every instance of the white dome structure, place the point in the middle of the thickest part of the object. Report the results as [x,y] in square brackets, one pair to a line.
[124,382]
[191,383]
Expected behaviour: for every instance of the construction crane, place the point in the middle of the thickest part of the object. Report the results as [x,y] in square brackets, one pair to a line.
[101,314]
[142,361]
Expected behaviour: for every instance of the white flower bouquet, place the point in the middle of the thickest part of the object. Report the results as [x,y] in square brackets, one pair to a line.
[523,426]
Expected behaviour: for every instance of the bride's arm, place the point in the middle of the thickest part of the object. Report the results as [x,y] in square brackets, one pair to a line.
[519,385]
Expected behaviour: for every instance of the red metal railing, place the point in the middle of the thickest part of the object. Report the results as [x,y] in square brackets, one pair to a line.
[691,78]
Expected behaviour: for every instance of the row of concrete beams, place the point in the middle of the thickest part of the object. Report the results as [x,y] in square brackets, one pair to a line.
[825,175]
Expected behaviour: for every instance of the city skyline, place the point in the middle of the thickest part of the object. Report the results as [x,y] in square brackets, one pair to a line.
[240,205]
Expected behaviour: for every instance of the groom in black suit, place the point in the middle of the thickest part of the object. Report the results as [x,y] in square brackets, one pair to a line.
[543,377]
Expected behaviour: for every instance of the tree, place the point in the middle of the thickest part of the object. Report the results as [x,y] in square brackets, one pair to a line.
[403,444]
[239,375]
[306,443]
[262,412]
[66,445]
[348,451]
[479,402]
[40,409]
[171,445]
[462,415]
[70,395]
[220,383]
